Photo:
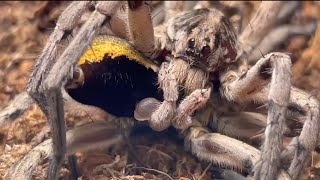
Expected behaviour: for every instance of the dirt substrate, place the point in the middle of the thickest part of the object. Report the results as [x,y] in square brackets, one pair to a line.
[24,28]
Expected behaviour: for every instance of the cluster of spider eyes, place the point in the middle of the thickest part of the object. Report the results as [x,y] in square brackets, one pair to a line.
[192,51]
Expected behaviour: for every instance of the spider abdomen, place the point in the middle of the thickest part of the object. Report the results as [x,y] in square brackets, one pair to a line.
[115,83]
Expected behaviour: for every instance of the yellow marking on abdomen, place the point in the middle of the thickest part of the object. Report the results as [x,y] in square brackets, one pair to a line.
[114,47]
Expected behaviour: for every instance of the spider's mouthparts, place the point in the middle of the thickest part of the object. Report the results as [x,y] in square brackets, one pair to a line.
[181,56]
[189,59]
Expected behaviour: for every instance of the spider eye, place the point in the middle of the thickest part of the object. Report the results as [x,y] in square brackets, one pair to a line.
[191,43]
[205,51]
[190,52]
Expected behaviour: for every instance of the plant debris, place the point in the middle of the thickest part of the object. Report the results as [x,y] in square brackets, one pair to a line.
[24,29]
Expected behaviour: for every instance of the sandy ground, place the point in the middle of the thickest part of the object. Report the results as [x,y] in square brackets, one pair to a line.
[24,28]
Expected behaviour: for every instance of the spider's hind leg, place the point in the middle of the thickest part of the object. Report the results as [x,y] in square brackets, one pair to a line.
[307,109]
[66,22]
[49,75]
[258,84]
[98,134]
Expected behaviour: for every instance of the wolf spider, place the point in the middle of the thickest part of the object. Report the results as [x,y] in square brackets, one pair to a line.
[204,57]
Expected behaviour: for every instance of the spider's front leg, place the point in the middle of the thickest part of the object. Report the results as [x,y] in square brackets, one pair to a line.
[259,26]
[259,85]
[48,78]
[220,149]
[241,88]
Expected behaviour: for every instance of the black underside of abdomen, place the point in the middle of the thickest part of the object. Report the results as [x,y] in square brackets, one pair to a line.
[116,85]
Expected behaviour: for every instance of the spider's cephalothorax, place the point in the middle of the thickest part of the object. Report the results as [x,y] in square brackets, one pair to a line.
[204,38]
[202,43]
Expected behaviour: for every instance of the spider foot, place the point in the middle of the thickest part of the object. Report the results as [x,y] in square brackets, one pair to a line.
[189,105]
